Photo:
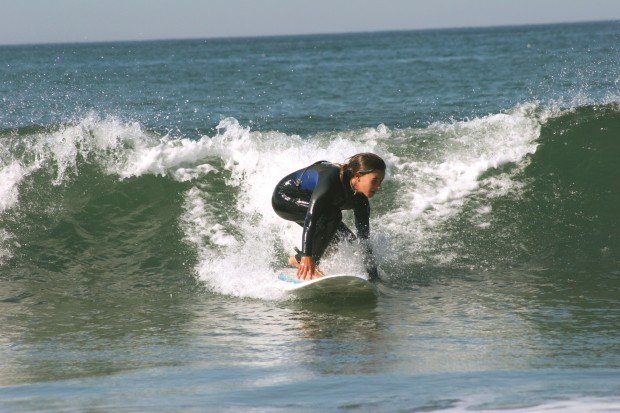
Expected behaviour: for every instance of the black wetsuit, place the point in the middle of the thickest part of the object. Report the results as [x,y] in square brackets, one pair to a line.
[314,197]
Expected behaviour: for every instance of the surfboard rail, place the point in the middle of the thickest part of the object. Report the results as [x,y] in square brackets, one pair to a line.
[332,284]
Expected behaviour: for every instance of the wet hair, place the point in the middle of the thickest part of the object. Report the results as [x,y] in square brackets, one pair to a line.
[363,163]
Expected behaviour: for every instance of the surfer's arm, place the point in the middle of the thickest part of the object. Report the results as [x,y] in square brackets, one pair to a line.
[362,224]
[318,201]
[369,261]
[362,217]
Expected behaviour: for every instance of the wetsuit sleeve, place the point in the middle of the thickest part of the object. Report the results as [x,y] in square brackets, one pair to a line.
[327,182]
[362,217]
[362,224]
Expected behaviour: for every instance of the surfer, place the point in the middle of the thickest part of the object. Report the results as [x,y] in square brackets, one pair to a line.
[315,196]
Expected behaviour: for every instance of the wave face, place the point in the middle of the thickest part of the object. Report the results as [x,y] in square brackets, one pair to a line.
[552,207]
[531,187]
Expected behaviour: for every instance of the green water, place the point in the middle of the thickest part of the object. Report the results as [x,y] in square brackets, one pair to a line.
[138,248]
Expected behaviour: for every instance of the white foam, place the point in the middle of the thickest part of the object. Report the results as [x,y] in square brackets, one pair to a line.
[239,243]
[577,405]
[10,177]
[434,188]
[188,174]
[255,162]
[239,240]
[6,242]
[103,141]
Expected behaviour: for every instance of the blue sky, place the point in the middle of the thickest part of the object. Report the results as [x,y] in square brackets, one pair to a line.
[45,21]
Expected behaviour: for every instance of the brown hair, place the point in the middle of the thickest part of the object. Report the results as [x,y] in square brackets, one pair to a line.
[363,163]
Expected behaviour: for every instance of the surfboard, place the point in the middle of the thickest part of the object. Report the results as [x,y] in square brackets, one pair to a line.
[345,285]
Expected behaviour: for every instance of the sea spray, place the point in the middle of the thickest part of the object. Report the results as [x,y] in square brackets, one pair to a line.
[256,162]
[445,187]
[228,218]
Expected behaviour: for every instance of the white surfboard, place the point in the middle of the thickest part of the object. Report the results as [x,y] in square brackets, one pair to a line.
[346,285]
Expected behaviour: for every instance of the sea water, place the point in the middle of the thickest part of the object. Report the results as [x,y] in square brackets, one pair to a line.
[139,250]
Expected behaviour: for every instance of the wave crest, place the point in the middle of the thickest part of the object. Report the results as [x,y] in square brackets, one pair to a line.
[460,194]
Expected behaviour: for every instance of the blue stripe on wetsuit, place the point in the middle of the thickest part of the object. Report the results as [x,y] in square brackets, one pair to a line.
[309,179]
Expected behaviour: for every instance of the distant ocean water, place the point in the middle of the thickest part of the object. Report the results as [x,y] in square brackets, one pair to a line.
[138,247]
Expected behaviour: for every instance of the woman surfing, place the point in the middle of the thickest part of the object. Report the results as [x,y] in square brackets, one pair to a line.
[315,196]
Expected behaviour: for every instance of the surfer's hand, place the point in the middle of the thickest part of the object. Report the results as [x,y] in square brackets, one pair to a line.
[306,268]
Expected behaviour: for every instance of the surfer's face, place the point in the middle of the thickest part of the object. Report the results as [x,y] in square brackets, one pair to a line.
[368,184]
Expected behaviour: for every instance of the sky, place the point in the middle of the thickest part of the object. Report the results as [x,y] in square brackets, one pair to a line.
[59,21]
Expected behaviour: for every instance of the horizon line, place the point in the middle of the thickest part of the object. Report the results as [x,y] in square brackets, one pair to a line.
[326,33]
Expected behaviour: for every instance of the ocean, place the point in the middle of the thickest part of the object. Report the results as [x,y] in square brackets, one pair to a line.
[139,250]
